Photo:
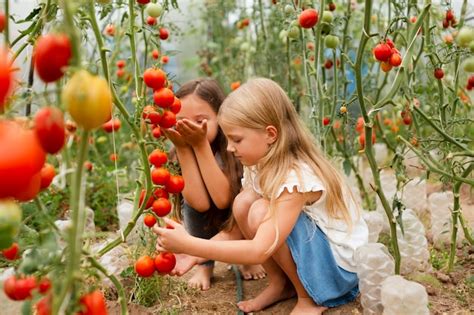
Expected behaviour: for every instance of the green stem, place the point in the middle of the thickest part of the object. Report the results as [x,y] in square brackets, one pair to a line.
[6,31]
[100,40]
[75,40]
[138,80]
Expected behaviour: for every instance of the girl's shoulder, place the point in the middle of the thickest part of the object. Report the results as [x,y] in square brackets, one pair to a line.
[302,178]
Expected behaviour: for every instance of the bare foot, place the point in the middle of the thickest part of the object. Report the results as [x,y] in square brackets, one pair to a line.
[307,306]
[250,272]
[202,278]
[277,290]
[184,263]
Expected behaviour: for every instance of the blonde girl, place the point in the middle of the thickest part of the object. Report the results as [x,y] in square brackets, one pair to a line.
[295,212]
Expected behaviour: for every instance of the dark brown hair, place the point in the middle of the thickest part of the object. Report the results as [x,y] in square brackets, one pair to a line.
[210,91]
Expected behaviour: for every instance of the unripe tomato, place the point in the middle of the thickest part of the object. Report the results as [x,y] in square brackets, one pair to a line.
[112,125]
[3,21]
[163,97]
[289,9]
[145,266]
[157,158]
[11,253]
[308,18]
[468,64]
[163,33]
[175,184]
[154,78]
[6,77]
[438,73]
[293,32]
[50,130]
[51,56]
[465,36]
[161,207]
[382,52]
[88,99]
[93,303]
[47,175]
[165,262]
[331,41]
[160,176]
[168,119]
[21,158]
[327,17]
[154,9]
[149,220]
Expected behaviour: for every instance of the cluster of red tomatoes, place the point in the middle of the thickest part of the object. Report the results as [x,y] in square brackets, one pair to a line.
[163,263]
[388,55]
[449,19]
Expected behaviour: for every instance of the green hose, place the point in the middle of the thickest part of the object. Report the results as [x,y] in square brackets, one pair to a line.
[238,280]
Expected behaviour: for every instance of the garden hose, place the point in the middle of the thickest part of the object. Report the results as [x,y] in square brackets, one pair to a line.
[238,282]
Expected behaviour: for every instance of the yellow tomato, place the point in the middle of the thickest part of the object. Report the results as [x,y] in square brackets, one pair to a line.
[88,99]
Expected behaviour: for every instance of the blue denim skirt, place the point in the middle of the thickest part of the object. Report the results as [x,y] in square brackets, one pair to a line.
[328,284]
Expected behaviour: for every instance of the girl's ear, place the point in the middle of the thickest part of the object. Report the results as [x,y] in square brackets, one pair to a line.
[271,134]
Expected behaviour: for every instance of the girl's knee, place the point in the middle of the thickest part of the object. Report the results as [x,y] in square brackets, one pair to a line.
[242,204]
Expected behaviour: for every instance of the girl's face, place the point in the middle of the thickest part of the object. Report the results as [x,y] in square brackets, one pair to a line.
[249,145]
[196,110]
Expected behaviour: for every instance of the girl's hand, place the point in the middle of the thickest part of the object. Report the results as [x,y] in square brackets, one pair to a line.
[194,134]
[173,239]
[175,137]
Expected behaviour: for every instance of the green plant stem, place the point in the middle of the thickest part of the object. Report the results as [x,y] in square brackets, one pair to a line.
[348,15]
[138,80]
[6,31]
[77,228]
[454,216]
[465,228]
[75,41]
[44,212]
[121,293]
[100,40]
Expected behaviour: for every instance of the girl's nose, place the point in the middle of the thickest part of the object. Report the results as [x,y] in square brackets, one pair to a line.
[230,148]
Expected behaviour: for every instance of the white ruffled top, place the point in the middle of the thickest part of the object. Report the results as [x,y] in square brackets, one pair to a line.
[343,241]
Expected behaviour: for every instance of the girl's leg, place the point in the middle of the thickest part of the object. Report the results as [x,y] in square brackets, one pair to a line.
[240,210]
[279,286]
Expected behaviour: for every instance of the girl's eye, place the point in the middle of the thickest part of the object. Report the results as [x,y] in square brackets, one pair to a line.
[237,140]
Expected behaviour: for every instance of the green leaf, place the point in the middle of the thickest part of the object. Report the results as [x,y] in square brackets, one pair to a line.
[30,16]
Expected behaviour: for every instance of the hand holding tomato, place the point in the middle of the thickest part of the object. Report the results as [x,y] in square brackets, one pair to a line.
[194,134]
[173,239]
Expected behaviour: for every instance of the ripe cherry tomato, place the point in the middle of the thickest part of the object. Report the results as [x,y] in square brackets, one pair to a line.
[44,285]
[160,193]
[149,202]
[112,125]
[156,132]
[165,59]
[11,253]
[51,56]
[326,121]
[88,99]
[144,266]
[308,18]
[47,175]
[155,54]
[6,77]
[176,106]
[161,207]
[163,33]
[151,115]
[438,73]
[3,21]
[175,184]
[19,289]
[154,78]
[382,52]
[395,60]
[120,63]
[43,306]
[160,176]
[168,119]
[50,130]
[93,304]
[385,66]
[149,220]
[150,20]
[165,262]
[163,97]
[157,158]
[143,1]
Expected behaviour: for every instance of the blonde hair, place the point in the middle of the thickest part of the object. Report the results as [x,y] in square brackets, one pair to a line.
[262,102]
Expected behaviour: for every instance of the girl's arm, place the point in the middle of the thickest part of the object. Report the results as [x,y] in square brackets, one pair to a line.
[217,183]
[288,207]
[194,190]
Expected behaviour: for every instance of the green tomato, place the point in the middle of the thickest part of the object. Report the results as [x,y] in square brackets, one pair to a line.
[10,220]
[154,9]
[327,17]
[331,41]
[293,32]
[465,36]
[101,139]
[469,64]
[283,35]
[289,10]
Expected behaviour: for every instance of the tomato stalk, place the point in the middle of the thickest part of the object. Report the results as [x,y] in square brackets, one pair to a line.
[75,42]
[131,35]
[6,31]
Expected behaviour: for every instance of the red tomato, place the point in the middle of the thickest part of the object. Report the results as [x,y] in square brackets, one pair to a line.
[160,176]
[154,78]
[44,285]
[382,52]
[151,115]
[120,73]
[9,287]
[143,1]
[144,266]
[438,73]
[360,124]
[43,306]
[155,54]
[362,139]
[50,130]
[22,287]
[109,30]
[168,119]
[407,119]
[163,97]
[113,157]
[385,66]
[93,304]
[395,60]
[175,184]
[328,64]
[157,158]
[120,63]
[6,77]
[308,18]
[470,81]
[51,56]
[164,34]
[149,202]
[449,15]
[11,253]
[18,163]
[326,121]
[165,262]
[165,59]
[3,21]
[150,20]
[88,165]
[235,85]
[332,6]
[176,106]
[160,193]
[149,220]
[112,125]
[31,189]
[161,207]
[156,132]
[47,175]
